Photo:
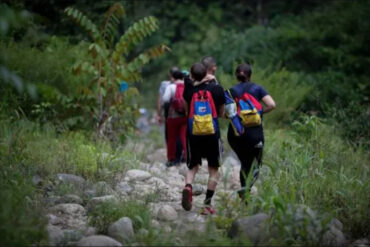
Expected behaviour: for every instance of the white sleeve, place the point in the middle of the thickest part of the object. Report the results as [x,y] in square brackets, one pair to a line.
[168,93]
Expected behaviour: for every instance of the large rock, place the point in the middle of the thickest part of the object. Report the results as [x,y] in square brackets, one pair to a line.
[334,237]
[363,242]
[70,216]
[167,213]
[96,201]
[157,183]
[122,230]
[98,240]
[137,175]
[55,235]
[71,180]
[252,227]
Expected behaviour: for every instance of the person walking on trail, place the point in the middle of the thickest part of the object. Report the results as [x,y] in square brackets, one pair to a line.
[162,111]
[205,103]
[176,120]
[247,141]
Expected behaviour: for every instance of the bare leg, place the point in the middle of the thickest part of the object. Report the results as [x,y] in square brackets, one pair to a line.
[214,175]
[190,175]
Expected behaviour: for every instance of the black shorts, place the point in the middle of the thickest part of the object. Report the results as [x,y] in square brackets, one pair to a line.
[199,147]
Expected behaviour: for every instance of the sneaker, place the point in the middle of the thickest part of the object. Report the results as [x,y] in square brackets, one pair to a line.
[170,163]
[187,198]
[207,210]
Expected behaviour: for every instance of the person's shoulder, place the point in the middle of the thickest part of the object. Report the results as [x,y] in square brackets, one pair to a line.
[165,83]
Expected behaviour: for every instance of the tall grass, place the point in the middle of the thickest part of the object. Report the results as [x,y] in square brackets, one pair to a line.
[312,165]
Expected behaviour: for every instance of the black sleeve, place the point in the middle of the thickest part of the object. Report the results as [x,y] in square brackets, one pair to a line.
[219,96]
[187,89]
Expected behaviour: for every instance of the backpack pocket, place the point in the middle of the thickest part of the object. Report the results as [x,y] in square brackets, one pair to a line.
[250,118]
[203,125]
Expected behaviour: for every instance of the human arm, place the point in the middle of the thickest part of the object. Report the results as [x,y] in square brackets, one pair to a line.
[269,102]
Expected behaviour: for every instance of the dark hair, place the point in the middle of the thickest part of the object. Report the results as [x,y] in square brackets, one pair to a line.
[198,71]
[208,62]
[173,69]
[177,75]
[243,72]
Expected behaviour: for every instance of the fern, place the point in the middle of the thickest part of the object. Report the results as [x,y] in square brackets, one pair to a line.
[84,22]
[134,35]
[113,15]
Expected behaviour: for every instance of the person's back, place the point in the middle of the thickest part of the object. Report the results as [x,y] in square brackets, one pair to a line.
[249,145]
[176,119]
[202,145]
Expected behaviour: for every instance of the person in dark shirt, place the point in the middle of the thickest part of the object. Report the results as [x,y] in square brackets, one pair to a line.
[249,145]
[207,146]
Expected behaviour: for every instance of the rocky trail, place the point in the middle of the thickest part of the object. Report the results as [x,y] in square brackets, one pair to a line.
[67,214]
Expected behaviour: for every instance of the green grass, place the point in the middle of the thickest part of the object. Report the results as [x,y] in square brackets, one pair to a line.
[108,212]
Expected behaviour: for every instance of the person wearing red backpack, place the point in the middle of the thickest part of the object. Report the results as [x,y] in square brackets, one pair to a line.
[176,120]
[204,103]
[247,143]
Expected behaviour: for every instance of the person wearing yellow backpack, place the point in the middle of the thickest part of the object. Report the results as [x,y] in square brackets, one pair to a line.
[245,132]
[204,103]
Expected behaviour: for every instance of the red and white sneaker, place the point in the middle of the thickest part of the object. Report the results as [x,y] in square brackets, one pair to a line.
[187,198]
[207,210]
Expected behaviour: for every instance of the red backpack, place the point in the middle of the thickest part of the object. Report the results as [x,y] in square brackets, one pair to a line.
[178,102]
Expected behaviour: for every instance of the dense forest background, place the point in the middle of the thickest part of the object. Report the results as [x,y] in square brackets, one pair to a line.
[312,56]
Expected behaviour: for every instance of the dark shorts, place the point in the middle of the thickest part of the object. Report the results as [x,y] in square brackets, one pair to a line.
[199,147]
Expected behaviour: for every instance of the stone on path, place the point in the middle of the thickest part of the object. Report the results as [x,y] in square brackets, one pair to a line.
[137,175]
[252,227]
[123,188]
[122,230]
[334,235]
[101,188]
[69,216]
[98,240]
[76,182]
[167,213]
[363,242]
